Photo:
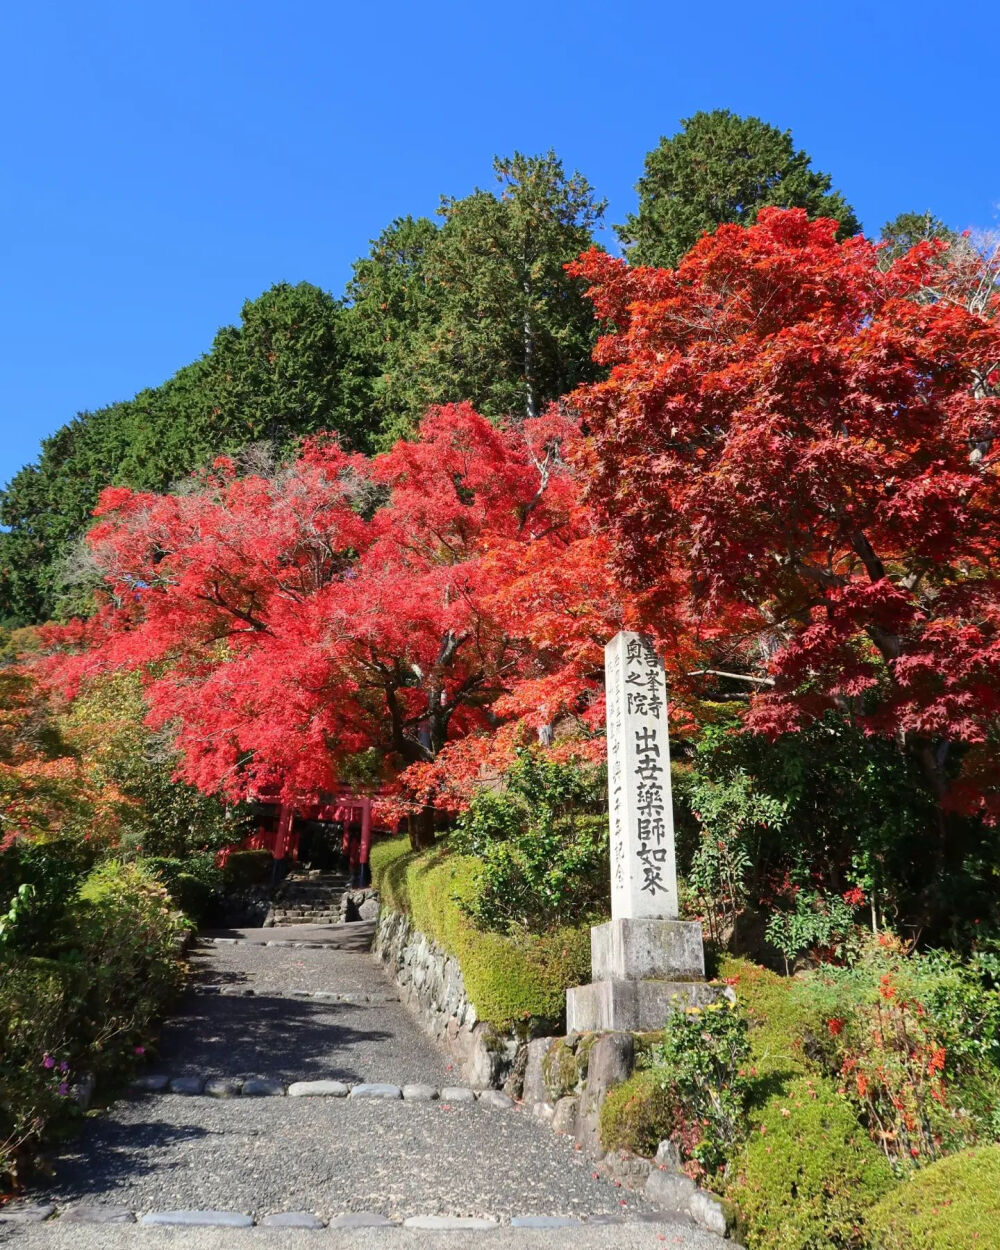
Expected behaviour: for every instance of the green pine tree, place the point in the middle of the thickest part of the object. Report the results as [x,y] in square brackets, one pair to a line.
[722,168]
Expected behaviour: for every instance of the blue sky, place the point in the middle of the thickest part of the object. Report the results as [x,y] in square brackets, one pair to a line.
[165,160]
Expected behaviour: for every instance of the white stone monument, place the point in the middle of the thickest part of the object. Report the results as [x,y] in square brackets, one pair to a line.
[645,962]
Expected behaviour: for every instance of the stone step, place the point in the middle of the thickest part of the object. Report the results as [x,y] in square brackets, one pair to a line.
[355,935]
[316,917]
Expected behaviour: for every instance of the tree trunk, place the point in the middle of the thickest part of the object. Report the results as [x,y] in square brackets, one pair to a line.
[421,828]
[530,399]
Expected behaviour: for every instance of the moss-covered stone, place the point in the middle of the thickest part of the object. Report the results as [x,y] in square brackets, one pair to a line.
[644,1044]
[638,1114]
[953,1204]
[560,1071]
[513,982]
[808,1173]
[583,1048]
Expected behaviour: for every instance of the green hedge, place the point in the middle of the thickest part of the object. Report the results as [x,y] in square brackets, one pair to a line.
[87,1008]
[808,1172]
[953,1204]
[510,980]
[192,883]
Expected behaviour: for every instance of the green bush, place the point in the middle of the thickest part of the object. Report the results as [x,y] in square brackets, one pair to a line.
[912,1041]
[511,979]
[126,931]
[640,1113]
[37,880]
[541,847]
[90,1011]
[702,1057]
[808,1172]
[246,868]
[39,1005]
[192,883]
[816,922]
[953,1204]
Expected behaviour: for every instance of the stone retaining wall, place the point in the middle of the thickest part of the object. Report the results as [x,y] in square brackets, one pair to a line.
[566,1080]
[431,985]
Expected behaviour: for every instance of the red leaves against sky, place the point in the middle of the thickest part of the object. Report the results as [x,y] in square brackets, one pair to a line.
[791,467]
[813,443]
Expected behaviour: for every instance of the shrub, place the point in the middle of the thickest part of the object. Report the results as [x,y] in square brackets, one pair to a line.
[192,883]
[90,1010]
[912,1041]
[818,924]
[518,979]
[807,1172]
[37,880]
[38,1051]
[730,813]
[247,868]
[640,1113]
[541,851]
[702,1058]
[953,1204]
[126,931]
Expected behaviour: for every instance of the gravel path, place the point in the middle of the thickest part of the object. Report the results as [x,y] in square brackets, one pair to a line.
[282,969]
[289,1039]
[669,1235]
[328,1156]
[273,1034]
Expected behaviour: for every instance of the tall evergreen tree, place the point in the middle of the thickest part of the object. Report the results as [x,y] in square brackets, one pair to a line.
[907,229]
[279,374]
[391,305]
[718,168]
[514,329]
[480,308]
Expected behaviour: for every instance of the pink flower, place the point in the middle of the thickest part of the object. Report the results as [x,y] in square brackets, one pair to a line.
[140,1050]
[64,1066]
[63,1088]
[48,1062]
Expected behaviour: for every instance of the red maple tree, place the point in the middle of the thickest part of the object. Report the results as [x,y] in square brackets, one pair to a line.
[437,605]
[802,442]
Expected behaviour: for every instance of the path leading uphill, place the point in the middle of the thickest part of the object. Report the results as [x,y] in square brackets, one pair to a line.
[310,1095]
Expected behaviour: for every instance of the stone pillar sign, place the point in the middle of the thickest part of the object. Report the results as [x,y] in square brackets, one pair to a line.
[643,871]
[645,962]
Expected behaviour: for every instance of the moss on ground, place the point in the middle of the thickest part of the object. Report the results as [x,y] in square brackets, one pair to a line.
[808,1172]
[510,980]
[775,1016]
[953,1204]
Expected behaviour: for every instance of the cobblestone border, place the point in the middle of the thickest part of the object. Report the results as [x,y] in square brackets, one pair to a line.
[193,1086]
[84,1214]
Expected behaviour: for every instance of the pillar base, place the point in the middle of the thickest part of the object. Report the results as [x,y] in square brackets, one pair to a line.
[647,950]
[634,1006]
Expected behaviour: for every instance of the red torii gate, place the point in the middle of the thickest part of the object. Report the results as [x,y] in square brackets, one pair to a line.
[341,806]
